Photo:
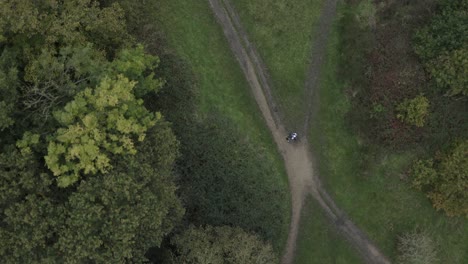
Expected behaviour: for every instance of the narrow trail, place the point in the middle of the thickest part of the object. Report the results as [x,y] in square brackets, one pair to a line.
[297,157]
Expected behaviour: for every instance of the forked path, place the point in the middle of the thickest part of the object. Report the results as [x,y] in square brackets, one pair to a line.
[297,157]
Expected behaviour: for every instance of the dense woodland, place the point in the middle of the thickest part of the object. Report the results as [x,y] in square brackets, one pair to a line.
[105,159]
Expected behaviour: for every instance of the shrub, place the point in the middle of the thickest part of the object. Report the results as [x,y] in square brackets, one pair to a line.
[445,180]
[413,111]
[221,245]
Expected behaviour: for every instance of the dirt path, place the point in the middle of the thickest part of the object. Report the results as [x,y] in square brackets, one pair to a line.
[297,157]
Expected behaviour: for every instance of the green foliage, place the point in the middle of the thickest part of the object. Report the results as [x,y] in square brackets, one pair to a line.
[442,46]
[445,32]
[5,118]
[375,79]
[27,214]
[373,171]
[48,23]
[28,229]
[416,248]
[109,218]
[424,173]
[136,65]
[414,111]
[97,122]
[74,61]
[117,217]
[225,180]
[54,77]
[20,176]
[445,180]
[450,71]
[177,101]
[58,49]
[221,245]
[8,85]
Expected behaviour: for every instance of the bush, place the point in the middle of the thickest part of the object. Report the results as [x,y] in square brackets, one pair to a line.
[445,180]
[221,245]
[413,111]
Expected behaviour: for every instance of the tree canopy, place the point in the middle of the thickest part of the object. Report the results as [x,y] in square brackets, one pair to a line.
[99,120]
[442,46]
[86,169]
[445,179]
[226,245]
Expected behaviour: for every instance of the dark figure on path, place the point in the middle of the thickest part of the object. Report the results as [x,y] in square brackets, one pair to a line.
[291,137]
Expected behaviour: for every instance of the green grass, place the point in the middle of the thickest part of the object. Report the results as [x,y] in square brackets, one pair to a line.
[283,33]
[372,189]
[194,34]
[318,241]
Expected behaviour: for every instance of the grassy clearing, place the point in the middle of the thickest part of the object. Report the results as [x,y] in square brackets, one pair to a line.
[372,189]
[283,33]
[194,34]
[318,241]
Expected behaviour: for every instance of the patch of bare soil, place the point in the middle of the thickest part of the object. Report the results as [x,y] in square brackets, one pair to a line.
[297,157]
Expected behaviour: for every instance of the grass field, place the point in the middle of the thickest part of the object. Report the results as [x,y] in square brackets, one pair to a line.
[194,34]
[283,32]
[319,243]
[373,189]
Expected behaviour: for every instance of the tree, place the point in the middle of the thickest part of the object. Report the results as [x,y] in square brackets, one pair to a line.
[56,49]
[442,47]
[413,111]
[51,23]
[445,32]
[71,87]
[445,180]
[118,216]
[8,97]
[113,218]
[55,76]
[221,245]
[98,122]
[28,213]
[416,248]
[138,66]
[450,71]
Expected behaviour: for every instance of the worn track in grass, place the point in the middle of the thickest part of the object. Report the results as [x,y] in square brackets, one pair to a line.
[297,157]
